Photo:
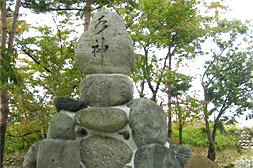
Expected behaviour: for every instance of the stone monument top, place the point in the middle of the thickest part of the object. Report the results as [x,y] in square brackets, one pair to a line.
[106,47]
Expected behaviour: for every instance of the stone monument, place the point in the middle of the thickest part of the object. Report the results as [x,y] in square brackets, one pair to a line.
[106,128]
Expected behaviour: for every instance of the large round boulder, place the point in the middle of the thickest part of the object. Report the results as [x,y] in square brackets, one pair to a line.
[54,153]
[61,127]
[104,152]
[148,122]
[106,47]
[103,119]
[30,160]
[155,156]
[103,90]
[198,161]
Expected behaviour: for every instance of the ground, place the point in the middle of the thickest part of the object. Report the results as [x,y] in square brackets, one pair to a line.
[224,157]
[229,156]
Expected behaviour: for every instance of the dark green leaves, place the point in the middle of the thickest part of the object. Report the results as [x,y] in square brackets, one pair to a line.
[227,81]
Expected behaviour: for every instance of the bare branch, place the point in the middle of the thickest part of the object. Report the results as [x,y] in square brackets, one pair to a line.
[34,59]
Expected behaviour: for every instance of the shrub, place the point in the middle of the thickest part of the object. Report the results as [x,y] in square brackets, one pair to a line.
[21,135]
[195,136]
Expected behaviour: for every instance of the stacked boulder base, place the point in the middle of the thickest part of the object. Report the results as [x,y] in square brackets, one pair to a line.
[106,128]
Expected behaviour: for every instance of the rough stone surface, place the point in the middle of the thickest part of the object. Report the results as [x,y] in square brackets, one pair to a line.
[102,119]
[198,161]
[30,160]
[58,153]
[155,156]
[148,122]
[104,152]
[68,104]
[106,90]
[105,47]
[61,127]
[182,152]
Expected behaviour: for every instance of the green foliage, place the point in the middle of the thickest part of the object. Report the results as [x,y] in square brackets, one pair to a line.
[47,70]
[187,109]
[173,26]
[195,136]
[180,83]
[227,80]
[21,135]
[8,69]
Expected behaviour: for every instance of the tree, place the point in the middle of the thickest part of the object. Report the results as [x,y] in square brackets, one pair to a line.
[227,79]
[7,73]
[47,71]
[186,109]
[175,27]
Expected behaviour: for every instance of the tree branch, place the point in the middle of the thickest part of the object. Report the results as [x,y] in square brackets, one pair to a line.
[34,59]
[14,25]
[146,71]
[28,133]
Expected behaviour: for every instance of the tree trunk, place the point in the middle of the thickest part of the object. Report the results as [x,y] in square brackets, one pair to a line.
[142,89]
[211,152]
[3,121]
[3,92]
[3,26]
[4,99]
[169,102]
[180,132]
[14,25]
[87,15]
[211,138]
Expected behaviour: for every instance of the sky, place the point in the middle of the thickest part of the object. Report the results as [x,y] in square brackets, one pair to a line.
[239,9]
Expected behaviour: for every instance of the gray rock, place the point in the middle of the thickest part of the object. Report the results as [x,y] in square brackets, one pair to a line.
[182,152]
[58,153]
[104,152]
[106,47]
[155,156]
[106,90]
[68,104]
[148,122]
[102,119]
[61,127]
[30,160]
[199,161]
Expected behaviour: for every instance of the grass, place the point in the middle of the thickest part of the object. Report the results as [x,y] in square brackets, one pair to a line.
[194,135]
